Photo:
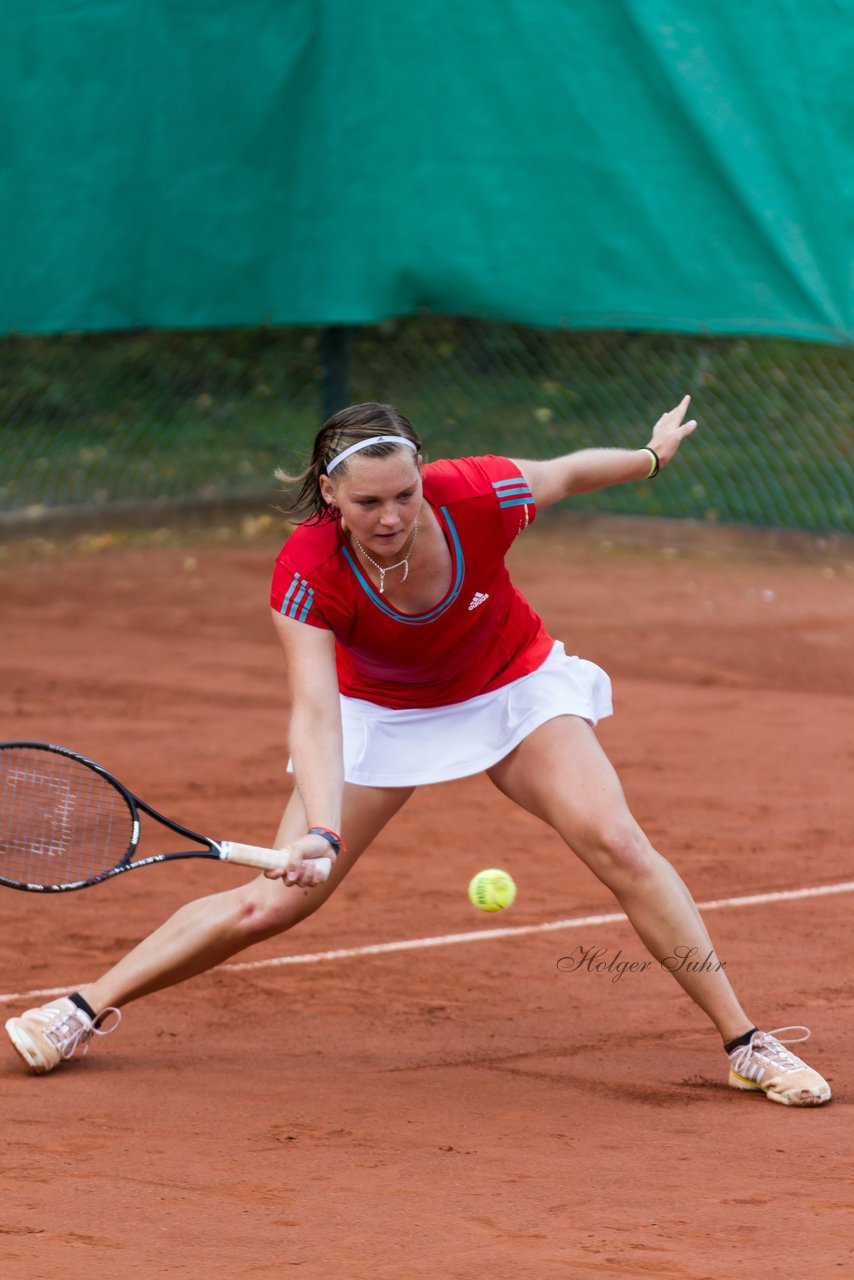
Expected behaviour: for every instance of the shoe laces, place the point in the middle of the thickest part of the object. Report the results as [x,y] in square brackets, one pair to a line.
[77,1029]
[771,1046]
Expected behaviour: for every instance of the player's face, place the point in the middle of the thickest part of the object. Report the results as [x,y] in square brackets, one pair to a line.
[379,500]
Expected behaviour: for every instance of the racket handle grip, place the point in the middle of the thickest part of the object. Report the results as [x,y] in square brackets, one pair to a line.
[253,855]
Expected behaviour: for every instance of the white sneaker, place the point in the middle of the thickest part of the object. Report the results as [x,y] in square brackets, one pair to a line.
[47,1036]
[766,1064]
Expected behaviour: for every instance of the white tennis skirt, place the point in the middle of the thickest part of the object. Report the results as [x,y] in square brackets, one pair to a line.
[413,747]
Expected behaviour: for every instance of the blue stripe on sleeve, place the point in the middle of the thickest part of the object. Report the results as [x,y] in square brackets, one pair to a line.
[297,600]
[289,593]
[512,489]
[309,602]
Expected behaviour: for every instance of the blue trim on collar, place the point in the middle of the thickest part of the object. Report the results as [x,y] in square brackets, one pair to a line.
[414,619]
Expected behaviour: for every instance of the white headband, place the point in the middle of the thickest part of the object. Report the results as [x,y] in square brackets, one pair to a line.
[363,444]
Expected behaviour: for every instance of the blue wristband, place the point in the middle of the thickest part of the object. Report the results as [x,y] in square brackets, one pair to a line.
[331,837]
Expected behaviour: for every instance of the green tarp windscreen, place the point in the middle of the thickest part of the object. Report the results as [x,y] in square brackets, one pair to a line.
[604,163]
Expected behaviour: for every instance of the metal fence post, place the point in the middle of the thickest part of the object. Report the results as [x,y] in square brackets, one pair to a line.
[335,358]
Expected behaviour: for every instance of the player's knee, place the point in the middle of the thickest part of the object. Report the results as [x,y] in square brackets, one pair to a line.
[262,913]
[621,852]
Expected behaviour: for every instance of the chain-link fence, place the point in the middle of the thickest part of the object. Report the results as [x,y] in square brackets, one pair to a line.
[148,417]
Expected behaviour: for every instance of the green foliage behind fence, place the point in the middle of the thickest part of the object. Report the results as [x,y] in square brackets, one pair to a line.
[99,419]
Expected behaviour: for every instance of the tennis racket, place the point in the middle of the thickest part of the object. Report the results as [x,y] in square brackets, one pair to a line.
[66,823]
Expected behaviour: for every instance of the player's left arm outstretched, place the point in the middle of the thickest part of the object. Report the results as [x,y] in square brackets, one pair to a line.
[589,469]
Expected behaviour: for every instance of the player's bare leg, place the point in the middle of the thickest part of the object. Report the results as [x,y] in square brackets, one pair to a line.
[209,930]
[561,774]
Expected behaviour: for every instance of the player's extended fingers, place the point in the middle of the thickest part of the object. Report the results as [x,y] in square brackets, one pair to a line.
[671,429]
[674,417]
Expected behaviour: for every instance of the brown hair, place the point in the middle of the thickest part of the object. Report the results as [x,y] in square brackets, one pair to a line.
[348,426]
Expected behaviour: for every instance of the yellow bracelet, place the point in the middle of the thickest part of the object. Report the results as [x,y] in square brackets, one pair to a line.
[655,465]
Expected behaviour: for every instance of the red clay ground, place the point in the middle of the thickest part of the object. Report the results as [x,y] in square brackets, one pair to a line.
[461,1111]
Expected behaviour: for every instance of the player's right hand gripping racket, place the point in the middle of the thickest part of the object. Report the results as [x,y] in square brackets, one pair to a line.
[66,823]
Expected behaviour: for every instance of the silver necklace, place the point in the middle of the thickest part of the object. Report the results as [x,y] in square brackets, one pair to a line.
[383,571]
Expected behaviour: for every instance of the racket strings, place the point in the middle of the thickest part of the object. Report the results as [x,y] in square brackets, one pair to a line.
[60,821]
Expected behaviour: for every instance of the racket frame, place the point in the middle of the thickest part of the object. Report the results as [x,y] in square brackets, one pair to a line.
[232,851]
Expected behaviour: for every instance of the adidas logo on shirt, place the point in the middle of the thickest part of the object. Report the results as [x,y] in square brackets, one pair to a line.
[479,597]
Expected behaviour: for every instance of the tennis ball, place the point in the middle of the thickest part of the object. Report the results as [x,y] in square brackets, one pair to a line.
[492,890]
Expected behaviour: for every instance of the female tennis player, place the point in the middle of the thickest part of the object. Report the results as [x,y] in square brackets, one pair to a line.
[413,659]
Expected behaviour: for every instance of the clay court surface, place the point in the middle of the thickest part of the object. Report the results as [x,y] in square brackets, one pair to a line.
[463,1109]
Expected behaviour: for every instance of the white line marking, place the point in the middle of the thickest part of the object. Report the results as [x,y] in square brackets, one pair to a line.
[481,935]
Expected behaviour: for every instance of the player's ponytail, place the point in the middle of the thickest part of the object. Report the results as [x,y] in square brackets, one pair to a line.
[343,429]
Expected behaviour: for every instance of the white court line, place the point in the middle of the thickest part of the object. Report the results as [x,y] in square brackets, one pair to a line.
[481,935]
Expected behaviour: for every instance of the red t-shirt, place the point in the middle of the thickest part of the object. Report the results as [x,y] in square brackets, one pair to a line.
[480,636]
